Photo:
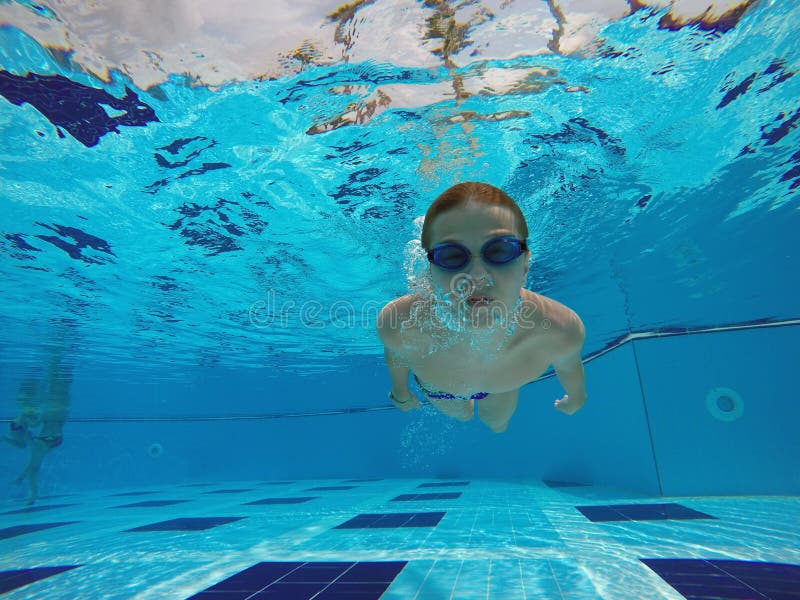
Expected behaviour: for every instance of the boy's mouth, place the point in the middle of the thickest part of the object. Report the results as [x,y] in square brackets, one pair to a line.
[479,300]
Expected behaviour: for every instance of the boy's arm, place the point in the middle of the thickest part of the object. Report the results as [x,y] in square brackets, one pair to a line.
[400,395]
[569,368]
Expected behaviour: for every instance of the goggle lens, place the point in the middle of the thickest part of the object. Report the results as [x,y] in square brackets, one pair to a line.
[450,256]
[498,251]
[501,251]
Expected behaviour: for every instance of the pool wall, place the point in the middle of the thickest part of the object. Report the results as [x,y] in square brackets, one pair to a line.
[645,428]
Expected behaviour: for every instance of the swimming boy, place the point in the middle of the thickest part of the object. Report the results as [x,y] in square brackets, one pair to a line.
[474,335]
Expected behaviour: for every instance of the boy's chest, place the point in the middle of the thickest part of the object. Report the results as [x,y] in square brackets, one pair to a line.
[466,369]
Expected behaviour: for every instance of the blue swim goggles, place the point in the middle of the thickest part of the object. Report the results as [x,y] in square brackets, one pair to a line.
[451,256]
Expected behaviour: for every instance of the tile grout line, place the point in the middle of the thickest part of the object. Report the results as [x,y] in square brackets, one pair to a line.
[735,578]
[422,583]
[455,583]
[489,580]
[553,573]
[522,579]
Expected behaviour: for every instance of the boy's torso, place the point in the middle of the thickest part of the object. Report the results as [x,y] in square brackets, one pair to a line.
[466,364]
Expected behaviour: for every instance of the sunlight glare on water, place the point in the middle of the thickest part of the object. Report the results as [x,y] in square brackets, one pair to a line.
[199,192]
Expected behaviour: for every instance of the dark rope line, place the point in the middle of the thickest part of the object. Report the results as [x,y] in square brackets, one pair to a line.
[186,419]
[621,341]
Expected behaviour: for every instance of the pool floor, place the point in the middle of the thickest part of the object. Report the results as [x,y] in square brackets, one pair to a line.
[398,539]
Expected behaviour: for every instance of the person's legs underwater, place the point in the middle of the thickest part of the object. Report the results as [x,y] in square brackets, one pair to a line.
[496,410]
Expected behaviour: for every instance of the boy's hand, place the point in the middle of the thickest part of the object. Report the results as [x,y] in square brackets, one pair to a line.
[567,406]
[404,402]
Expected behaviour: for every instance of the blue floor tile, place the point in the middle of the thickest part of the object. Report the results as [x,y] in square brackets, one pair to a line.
[728,579]
[373,572]
[151,503]
[641,512]
[392,520]
[289,591]
[364,521]
[601,513]
[295,500]
[418,497]
[443,484]
[352,591]
[33,509]
[187,524]
[360,521]
[15,530]
[11,580]
[317,572]
[221,596]
[256,577]
[557,484]
[428,519]
[302,581]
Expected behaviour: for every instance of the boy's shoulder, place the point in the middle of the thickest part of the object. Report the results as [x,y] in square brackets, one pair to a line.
[392,316]
[550,315]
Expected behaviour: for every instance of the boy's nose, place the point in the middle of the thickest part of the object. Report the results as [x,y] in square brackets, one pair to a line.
[477,270]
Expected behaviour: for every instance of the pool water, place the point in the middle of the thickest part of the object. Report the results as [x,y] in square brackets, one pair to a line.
[204,205]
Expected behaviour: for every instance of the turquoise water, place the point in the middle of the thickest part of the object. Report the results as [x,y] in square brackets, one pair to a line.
[202,232]
[643,194]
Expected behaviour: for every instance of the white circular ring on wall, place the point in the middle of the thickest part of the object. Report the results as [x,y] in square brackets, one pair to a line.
[725,404]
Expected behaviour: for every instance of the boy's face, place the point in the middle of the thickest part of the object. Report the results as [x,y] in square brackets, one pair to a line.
[480,291]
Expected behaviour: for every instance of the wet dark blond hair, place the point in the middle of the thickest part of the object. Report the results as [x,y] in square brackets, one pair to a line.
[462,193]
